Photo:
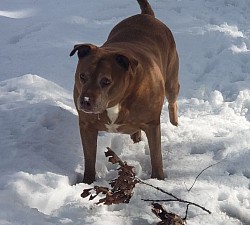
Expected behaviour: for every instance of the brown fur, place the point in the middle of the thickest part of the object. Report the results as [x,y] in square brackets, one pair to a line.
[135,68]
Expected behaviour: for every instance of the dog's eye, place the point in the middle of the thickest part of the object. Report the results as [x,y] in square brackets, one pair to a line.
[104,82]
[83,77]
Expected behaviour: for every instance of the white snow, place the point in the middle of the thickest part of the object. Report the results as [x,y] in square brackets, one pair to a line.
[17,14]
[40,150]
[228,30]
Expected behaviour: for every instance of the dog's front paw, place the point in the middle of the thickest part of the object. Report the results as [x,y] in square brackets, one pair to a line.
[158,175]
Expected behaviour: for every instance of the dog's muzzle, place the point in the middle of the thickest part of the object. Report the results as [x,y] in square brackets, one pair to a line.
[90,105]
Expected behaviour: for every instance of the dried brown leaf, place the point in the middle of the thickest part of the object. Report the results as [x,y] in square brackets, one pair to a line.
[101,201]
[113,158]
[91,197]
[86,192]
[122,186]
[102,190]
[167,218]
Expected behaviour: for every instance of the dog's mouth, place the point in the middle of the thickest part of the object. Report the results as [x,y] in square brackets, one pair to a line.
[91,111]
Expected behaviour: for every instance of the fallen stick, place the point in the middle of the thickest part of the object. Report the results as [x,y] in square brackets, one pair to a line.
[175,199]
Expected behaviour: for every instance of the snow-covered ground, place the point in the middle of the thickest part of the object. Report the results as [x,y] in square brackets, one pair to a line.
[40,152]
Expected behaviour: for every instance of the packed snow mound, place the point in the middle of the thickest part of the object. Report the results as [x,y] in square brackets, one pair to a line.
[32,89]
[32,111]
[40,137]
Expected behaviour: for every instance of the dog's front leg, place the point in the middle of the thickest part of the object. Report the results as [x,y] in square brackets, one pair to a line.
[153,133]
[89,144]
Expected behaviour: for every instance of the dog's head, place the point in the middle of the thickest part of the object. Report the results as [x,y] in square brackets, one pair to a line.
[102,76]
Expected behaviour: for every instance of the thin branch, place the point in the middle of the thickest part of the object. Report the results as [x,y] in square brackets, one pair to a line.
[176,199]
[157,188]
[200,174]
[185,218]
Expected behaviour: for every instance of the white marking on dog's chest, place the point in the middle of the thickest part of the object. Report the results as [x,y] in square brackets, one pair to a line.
[113,114]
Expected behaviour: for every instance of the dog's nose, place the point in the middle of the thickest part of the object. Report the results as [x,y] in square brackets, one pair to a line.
[86,104]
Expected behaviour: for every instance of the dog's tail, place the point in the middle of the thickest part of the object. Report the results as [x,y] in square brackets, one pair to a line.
[145,7]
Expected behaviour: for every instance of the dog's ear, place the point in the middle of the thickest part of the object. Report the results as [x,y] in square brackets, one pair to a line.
[126,62]
[82,50]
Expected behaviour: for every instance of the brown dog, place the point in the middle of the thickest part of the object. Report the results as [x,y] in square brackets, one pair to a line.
[120,86]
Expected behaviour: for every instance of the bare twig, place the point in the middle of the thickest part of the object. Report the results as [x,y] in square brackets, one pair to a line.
[175,199]
[185,218]
[200,174]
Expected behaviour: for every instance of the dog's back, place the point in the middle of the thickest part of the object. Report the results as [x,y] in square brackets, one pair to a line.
[147,33]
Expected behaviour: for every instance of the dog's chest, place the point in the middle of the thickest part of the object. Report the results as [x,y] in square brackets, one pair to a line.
[113,114]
